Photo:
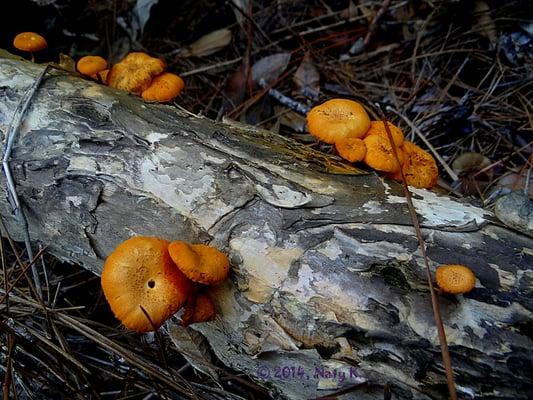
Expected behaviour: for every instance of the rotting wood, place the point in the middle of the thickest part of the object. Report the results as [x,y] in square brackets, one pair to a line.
[326,272]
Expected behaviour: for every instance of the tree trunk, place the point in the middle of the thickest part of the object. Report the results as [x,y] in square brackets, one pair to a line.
[326,269]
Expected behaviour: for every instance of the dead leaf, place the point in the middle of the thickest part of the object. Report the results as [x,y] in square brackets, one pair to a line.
[484,23]
[515,181]
[469,162]
[465,166]
[270,68]
[194,347]
[242,5]
[291,119]
[67,63]
[349,12]
[307,79]
[141,15]
[235,89]
[208,44]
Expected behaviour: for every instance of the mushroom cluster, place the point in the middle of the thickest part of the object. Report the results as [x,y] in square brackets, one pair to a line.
[147,279]
[136,73]
[345,124]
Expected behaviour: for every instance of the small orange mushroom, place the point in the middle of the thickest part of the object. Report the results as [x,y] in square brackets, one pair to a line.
[199,308]
[351,148]
[200,263]
[139,275]
[102,76]
[164,88]
[91,65]
[455,278]
[379,154]
[135,72]
[378,128]
[30,42]
[337,119]
[419,168]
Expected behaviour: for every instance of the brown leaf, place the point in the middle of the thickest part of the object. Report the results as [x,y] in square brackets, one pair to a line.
[67,63]
[484,23]
[291,119]
[469,162]
[208,44]
[235,89]
[307,79]
[242,5]
[270,68]
[515,181]
[349,12]
[194,347]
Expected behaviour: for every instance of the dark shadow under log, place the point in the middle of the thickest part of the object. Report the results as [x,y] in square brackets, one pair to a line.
[326,271]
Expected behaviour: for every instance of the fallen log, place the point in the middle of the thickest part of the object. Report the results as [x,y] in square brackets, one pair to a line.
[327,288]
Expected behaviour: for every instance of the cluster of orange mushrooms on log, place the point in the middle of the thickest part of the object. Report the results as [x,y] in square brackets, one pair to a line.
[345,124]
[136,73]
[146,280]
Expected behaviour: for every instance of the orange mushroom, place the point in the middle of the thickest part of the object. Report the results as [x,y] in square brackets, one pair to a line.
[351,148]
[139,275]
[164,88]
[102,76]
[379,154]
[91,65]
[135,72]
[337,119]
[200,263]
[455,278]
[30,42]
[419,167]
[199,308]
[378,128]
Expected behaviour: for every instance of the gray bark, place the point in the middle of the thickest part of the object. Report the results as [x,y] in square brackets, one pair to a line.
[326,270]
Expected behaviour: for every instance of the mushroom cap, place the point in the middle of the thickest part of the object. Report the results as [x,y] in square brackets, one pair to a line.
[164,87]
[200,263]
[135,72]
[91,65]
[378,128]
[29,41]
[455,278]
[139,273]
[379,154]
[419,167]
[351,148]
[337,119]
[199,309]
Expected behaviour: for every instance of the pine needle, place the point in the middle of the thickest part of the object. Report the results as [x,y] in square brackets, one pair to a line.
[434,300]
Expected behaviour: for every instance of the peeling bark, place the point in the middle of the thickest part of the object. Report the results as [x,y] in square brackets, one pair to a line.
[326,272]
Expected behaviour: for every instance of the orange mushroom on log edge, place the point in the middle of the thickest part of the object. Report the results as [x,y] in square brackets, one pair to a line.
[30,42]
[140,275]
[91,66]
[455,278]
[147,279]
[199,308]
[338,119]
[135,72]
[199,262]
[164,87]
